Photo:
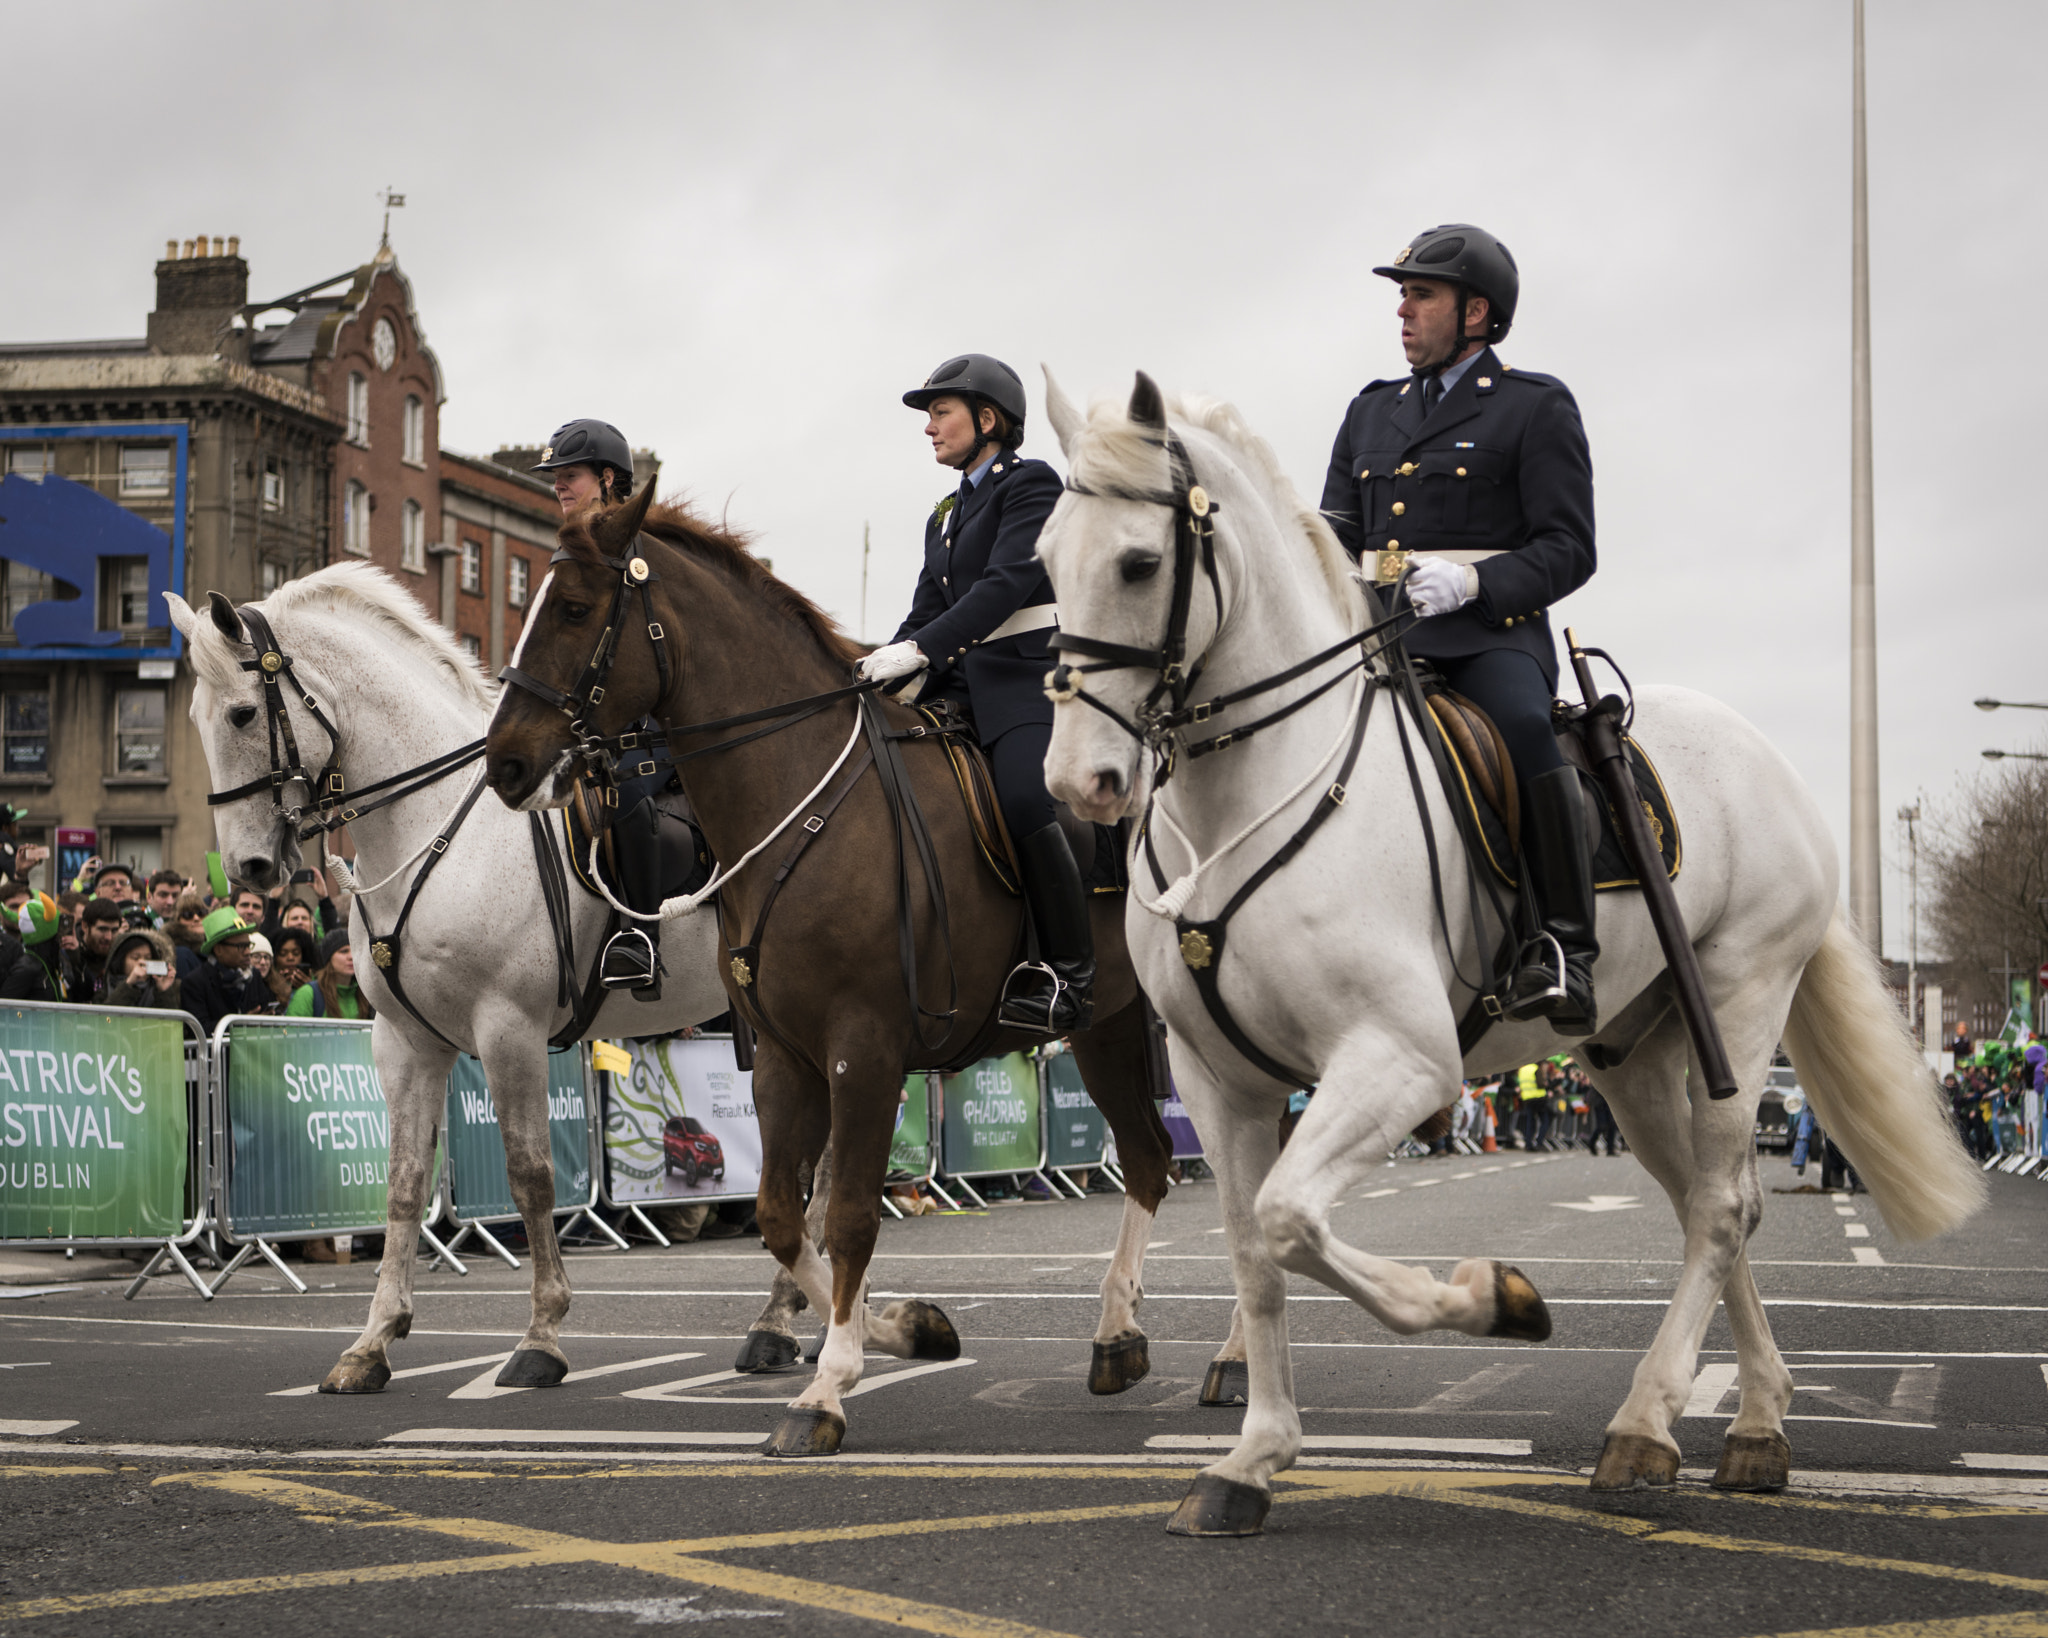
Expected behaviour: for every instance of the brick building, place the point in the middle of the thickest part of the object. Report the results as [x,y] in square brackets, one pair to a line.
[232,446]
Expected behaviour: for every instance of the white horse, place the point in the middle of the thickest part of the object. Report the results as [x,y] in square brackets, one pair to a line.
[1339,964]
[477,957]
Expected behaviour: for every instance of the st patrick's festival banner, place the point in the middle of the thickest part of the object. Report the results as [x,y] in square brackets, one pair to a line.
[476,1148]
[94,1134]
[990,1118]
[310,1138]
[680,1125]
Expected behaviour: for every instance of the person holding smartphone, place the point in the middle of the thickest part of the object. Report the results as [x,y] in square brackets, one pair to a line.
[145,971]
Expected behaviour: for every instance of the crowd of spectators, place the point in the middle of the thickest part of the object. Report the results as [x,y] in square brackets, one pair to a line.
[1548,1105]
[1996,1095]
[171,943]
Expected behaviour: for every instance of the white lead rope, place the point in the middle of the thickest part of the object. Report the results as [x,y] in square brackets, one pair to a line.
[339,868]
[672,909]
[1175,899]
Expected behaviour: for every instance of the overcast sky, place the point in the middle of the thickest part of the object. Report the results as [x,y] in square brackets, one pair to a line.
[741,231]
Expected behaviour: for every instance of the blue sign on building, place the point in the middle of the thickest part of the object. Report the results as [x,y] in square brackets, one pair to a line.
[53,526]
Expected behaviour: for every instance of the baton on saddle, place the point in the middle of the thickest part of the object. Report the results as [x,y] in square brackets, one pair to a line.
[1601,728]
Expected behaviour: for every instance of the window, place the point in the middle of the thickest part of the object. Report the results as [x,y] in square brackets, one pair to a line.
[472,565]
[473,647]
[273,484]
[275,574]
[413,538]
[358,410]
[146,470]
[22,587]
[25,731]
[415,431]
[355,519]
[142,851]
[30,461]
[515,582]
[124,594]
[139,731]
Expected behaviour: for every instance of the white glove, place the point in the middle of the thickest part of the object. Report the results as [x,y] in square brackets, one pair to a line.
[1438,586]
[890,661]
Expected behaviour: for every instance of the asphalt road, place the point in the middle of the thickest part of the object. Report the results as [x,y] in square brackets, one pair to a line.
[169,1469]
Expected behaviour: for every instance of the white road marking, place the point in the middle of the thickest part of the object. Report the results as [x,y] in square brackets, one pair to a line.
[1845,1211]
[1839,1199]
[484,1387]
[1867,1256]
[662,1612]
[1459,1177]
[565,1436]
[1425,1183]
[673,1392]
[25,1365]
[1713,1384]
[1856,1231]
[1484,1170]
[1375,1194]
[1601,1202]
[35,1430]
[492,1360]
[1352,1441]
[2015,1464]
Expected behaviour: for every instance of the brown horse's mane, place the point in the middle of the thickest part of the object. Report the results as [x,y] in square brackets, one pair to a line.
[673,523]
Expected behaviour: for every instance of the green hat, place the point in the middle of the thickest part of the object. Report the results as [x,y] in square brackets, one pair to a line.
[40,920]
[10,815]
[222,923]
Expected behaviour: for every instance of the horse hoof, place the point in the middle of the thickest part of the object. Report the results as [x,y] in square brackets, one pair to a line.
[1628,1461]
[765,1351]
[1229,1382]
[357,1376]
[1754,1461]
[1518,1310]
[807,1433]
[1116,1365]
[931,1334]
[530,1368]
[1221,1507]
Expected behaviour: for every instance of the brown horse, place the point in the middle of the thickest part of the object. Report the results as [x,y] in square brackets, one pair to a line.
[851,910]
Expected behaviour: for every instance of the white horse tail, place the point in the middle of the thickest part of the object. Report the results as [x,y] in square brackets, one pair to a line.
[1873,1092]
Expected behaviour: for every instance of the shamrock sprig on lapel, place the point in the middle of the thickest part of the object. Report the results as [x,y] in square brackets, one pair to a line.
[944,506]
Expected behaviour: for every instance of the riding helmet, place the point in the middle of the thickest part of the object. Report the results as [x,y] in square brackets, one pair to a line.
[587,443]
[1459,253]
[971,376]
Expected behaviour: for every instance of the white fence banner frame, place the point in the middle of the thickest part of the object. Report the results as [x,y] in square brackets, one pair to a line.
[630,1208]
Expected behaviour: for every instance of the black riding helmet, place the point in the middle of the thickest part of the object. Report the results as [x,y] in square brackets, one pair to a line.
[1459,253]
[979,379]
[589,443]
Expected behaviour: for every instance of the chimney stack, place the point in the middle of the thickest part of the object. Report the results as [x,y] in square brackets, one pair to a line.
[197,295]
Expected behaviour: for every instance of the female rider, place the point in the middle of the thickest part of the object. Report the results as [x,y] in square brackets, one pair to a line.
[977,630]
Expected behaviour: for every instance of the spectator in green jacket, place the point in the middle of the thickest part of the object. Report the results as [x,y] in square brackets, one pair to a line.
[333,993]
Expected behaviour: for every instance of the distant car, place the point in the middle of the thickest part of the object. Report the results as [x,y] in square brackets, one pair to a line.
[1778,1110]
[687,1148]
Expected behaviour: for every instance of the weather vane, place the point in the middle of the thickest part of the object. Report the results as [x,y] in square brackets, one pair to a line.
[392,201]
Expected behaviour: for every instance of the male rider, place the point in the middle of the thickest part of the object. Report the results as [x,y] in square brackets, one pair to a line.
[590,461]
[1474,478]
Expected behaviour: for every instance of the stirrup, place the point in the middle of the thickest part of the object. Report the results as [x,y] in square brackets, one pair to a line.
[1022,1009]
[629,961]
[1538,1005]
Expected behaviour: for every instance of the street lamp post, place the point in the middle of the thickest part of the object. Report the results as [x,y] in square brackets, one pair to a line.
[2021,756]
[1910,817]
[1866,885]
[2010,705]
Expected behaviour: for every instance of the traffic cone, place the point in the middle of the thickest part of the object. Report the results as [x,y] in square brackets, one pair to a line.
[1490,1147]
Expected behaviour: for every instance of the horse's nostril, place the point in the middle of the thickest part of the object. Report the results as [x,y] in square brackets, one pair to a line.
[512,772]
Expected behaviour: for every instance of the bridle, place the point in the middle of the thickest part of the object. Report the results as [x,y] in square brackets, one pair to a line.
[291,787]
[1166,711]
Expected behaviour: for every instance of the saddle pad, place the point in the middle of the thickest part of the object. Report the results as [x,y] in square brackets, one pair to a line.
[977,793]
[1464,728]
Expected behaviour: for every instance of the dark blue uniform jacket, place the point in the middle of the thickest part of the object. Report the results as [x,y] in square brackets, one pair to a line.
[981,567]
[1500,465]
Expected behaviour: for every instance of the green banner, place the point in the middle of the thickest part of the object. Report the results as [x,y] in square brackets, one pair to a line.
[1074,1128]
[309,1137]
[94,1135]
[476,1148]
[989,1117]
[910,1149]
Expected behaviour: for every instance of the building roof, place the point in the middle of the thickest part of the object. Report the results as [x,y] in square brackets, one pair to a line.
[478,475]
[147,372]
[72,349]
[293,343]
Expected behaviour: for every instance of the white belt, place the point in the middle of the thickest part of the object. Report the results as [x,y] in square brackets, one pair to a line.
[1386,567]
[1036,618]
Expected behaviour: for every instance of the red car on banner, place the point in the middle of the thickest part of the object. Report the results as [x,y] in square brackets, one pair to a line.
[687,1148]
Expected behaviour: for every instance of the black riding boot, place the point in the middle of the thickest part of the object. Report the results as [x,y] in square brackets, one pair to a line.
[1558,865]
[632,957]
[1055,996]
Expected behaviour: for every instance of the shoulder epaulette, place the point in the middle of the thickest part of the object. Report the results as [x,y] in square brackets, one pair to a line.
[1536,378]
[1373,386]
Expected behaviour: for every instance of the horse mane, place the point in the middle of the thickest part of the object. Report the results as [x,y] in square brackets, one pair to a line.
[674,523]
[359,589]
[1113,452]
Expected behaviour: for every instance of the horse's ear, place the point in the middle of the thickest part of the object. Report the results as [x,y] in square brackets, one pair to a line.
[225,617]
[1060,411]
[1148,406]
[182,617]
[617,529]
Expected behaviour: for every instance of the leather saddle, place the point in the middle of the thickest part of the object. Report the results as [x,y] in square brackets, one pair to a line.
[686,862]
[1481,778]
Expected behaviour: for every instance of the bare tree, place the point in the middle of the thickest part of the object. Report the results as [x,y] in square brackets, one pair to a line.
[1985,852]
